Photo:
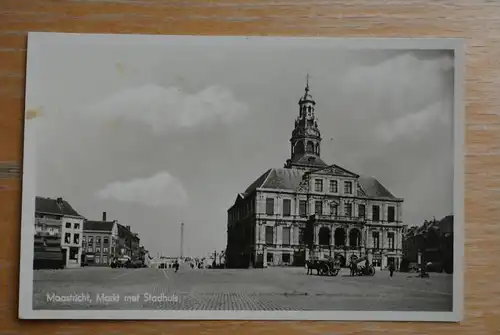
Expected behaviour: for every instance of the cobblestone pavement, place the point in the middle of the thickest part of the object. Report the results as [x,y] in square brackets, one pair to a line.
[245,289]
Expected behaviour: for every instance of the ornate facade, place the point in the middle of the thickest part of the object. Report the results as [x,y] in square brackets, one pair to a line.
[353,215]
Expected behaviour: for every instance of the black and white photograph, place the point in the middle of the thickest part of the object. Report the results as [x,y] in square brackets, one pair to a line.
[252,178]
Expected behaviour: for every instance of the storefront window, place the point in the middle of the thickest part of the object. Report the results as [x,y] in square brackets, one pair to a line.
[73,253]
[270,257]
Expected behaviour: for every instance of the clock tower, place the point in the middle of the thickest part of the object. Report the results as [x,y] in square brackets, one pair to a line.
[306,138]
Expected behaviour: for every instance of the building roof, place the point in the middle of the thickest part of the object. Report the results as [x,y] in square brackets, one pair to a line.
[126,231]
[443,226]
[122,230]
[291,178]
[371,187]
[55,206]
[446,224]
[308,160]
[105,226]
[283,178]
[257,183]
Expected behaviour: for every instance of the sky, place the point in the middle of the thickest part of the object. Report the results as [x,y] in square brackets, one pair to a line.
[156,135]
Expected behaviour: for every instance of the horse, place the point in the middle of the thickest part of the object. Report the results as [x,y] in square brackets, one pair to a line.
[313,265]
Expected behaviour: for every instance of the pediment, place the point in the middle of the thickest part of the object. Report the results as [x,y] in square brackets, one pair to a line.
[335,170]
[334,202]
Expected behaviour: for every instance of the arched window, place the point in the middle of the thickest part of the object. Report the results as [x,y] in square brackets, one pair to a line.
[339,237]
[310,147]
[309,109]
[354,238]
[299,147]
[324,236]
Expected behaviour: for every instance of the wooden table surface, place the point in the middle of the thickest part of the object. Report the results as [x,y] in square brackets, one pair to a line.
[476,20]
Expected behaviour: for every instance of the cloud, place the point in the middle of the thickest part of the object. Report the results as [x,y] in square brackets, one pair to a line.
[165,109]
[159,190]
[415,125]
[396,70]
[396,87]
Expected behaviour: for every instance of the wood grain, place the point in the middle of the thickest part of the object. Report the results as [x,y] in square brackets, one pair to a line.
[476,20]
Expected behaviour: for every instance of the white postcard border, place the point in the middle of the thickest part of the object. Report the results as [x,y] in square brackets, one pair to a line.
[37,40]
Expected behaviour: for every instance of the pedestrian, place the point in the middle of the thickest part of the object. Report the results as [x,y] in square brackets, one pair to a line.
[353,267]
[176,266]
[391,269]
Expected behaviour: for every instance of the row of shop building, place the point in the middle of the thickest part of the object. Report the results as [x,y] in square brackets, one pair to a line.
[430,243]
[67,239]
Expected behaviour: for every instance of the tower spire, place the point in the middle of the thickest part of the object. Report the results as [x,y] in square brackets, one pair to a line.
[306,137]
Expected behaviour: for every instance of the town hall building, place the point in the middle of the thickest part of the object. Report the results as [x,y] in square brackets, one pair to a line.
[351,214]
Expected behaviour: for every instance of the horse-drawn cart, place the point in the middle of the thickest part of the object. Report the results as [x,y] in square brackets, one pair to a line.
[323,267]
[361,270]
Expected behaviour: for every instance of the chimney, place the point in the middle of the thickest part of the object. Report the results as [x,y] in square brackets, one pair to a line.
[59,200]
[128,228]
[104,216]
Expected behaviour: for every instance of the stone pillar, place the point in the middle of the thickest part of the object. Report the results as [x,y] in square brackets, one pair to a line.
[399,209]
[279,236]
[331,248]
[255,256]
[419,258]
[294,235]
[257,233]
[370,257]
[264,261]
[316,237]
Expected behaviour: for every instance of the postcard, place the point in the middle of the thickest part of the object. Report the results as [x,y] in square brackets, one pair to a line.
[252,178]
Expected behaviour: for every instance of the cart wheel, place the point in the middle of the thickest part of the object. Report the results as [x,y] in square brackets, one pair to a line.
[335,272]
[371,271]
